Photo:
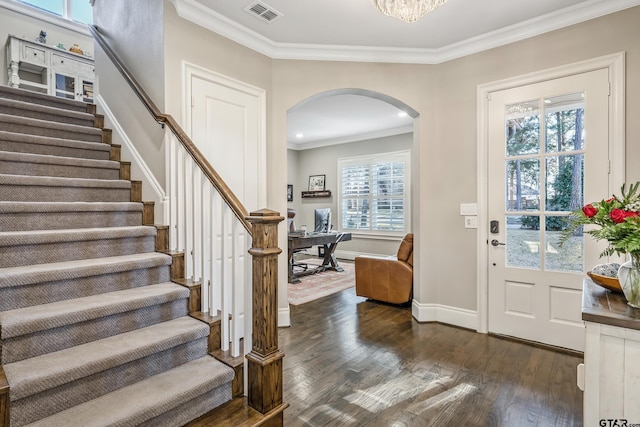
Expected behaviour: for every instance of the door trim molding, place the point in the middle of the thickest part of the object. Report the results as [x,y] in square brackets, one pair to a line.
[615,63]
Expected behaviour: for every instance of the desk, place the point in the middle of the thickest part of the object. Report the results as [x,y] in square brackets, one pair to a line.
[328,240]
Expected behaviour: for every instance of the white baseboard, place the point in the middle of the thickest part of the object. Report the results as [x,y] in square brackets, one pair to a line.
[149,181]
[445,314]
[349,255]
[284,317]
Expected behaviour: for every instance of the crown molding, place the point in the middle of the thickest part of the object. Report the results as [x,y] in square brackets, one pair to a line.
[207,18]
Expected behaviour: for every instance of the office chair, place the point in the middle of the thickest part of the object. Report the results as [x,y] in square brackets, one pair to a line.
[291,213]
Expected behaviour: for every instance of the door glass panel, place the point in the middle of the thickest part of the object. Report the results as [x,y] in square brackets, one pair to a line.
[569,257]
[87,91]
[523,241]
[563,187]
[65,86]
[523,184]
[523,128]
[549,182]
[564,122]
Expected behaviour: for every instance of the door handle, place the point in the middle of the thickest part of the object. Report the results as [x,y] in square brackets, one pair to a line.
[495,242]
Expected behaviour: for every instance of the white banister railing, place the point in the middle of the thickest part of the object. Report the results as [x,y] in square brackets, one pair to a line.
[214,242]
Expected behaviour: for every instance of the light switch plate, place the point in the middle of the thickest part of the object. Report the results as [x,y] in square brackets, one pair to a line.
[468,209]
[470,222]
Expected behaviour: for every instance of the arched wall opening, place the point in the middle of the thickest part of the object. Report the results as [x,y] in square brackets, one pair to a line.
[305,162]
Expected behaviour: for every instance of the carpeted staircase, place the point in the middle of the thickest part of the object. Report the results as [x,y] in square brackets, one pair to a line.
[93,331]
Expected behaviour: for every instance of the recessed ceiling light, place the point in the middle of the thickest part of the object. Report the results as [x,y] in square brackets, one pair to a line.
[299,135]
[402,114]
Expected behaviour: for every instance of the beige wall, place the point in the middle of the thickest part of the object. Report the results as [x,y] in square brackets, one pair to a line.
[323,161]
[185,41]
[452,246]
[444,148]
[445,97]
[29,28]
[414,85]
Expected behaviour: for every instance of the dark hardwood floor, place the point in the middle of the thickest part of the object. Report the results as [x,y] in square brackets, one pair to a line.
[353,362]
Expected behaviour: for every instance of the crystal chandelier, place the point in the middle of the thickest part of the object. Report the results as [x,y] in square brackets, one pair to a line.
[407,10]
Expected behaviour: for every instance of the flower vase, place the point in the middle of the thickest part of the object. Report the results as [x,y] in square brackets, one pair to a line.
[629,277]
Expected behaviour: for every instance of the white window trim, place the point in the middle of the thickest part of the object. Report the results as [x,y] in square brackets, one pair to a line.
[34,12]
[405,155]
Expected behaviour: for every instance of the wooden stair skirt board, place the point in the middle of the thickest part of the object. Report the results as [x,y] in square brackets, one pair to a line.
[98,323]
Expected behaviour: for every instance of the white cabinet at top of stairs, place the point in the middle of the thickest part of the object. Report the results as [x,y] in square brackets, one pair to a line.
[35,66]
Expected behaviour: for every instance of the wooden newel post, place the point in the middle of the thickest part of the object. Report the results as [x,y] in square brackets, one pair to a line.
[265,359]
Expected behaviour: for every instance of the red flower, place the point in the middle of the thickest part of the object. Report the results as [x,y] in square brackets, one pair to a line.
[590,211]
[619,215]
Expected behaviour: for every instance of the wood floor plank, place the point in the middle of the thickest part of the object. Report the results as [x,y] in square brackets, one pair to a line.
[353,362]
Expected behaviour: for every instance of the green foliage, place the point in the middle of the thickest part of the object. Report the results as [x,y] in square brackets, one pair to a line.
[618,219]
[530,222]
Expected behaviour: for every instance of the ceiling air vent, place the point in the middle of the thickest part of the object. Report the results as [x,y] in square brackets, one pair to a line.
[262,11]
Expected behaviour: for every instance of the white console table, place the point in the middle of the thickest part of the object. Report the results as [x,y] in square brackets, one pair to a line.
[611,357]
[35,66]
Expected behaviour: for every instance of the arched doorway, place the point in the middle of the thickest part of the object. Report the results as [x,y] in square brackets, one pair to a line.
[340,124]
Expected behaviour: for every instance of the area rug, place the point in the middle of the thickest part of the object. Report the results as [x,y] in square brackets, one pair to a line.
[321,284]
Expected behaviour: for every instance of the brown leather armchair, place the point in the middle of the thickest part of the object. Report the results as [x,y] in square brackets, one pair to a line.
[387,279]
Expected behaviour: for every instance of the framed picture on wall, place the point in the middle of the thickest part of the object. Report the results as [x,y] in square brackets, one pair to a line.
[289,193]
[316,182]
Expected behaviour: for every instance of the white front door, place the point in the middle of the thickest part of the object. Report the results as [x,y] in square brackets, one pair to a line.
[548,153]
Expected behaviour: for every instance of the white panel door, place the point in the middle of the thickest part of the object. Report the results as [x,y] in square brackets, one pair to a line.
[226,126]
[548,153]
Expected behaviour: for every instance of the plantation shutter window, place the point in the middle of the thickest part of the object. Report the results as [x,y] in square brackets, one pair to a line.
[374,193]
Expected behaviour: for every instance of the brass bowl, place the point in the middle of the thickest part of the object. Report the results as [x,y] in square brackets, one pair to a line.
[606,282]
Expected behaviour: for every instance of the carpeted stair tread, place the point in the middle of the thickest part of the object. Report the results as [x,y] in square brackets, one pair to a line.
[44,207]
[6,179]
[32,319]
[44,112]
[12,163]
[92,331]
[8,92]
[23,188]
[24,143]
[47,246]
[56,271]
[147,399]
[41,237]
[30,376]
[38,127]
[16,216]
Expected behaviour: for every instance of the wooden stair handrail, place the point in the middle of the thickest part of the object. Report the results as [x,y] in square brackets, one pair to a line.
[219,184]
